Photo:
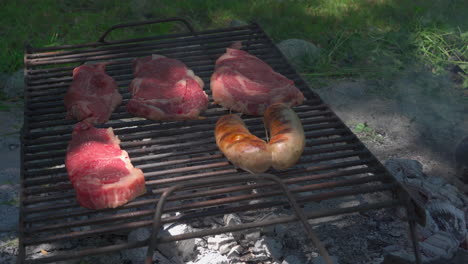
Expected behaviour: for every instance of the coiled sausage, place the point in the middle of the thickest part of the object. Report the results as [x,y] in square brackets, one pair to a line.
[243,149]
[287,140]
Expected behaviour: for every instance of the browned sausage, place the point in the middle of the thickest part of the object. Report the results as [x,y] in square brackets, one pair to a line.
[243,149]
[287,138]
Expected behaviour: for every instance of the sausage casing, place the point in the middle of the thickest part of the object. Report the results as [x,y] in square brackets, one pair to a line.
[287,140]
[243,149]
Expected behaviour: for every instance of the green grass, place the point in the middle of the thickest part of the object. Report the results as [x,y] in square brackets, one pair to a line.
[370,38]
[366,133]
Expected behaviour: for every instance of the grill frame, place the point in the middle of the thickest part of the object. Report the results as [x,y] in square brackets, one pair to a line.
[321,125]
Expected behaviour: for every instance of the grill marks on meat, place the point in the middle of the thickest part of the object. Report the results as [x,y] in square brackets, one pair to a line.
[93,95]
[244,83]
[165,89]
[101,173]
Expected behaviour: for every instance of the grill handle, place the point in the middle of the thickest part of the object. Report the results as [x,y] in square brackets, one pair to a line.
[173,19]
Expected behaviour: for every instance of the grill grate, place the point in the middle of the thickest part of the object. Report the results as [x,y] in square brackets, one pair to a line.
[334,164]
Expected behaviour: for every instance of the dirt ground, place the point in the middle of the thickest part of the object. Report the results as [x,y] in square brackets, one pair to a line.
[417,115]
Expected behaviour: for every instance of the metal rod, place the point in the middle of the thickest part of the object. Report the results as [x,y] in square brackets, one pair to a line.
[280,220]
[410,213]
[211,212]
[299,213]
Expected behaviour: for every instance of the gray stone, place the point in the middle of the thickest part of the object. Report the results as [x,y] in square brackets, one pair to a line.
[213,258]
[274,247]
[448,218]
[259,246]
[261,256]
[224,249]
[461,159]
[138,255]
[435,180]
[3,79]
[14,86]
[161,259]
[235,252]
[254,236]
[8,217]
[139,234]
[174,251]
[443,241]
[201,243]
[237,23]
[9,193]
[292,259]
[403,169]
[281,230]
[232,219]
[450,193]
[221,243]
[184,248]
[114,258]
[299,51]
[320,260]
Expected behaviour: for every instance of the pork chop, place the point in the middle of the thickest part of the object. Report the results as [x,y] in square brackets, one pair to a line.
[101,173]
[244,83]
[165,89]
[93,95]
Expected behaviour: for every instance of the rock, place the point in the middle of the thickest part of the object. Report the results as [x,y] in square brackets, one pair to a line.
[402,169]
[223,243]
[461,159]
[273,247]
[139,234]
[184,248]
[224,249]
[161,259]
[137,255]
[3,79]
[441,245]
[200,242]
[237,23]
[114,258]
[299,51]
[450,193]
[252,236]
[232,219]
[14,85]
[320,260]
[292,259]
[8,217]
[281,230]
[9,193]
[213,258]
[448,218]
[257,257]
[235,252]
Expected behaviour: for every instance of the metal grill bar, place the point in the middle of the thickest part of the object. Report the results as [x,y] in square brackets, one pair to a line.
[335,164]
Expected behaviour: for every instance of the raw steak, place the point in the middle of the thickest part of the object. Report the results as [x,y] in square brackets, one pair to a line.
[244,83]
[101,173]
[93,95]
[165,89]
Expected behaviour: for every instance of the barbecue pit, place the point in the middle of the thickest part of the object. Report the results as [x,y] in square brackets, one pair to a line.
[180,159]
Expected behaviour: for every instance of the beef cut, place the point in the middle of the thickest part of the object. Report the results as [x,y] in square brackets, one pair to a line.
[165,89]
[93,95]
[101,173]
[244,83]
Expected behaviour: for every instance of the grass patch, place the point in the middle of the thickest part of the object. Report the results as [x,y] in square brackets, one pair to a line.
[11,203]
[368,38]
[366,133]
[4,107]
[10,243]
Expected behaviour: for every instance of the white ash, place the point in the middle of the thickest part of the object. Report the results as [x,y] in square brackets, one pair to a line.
[222,243]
